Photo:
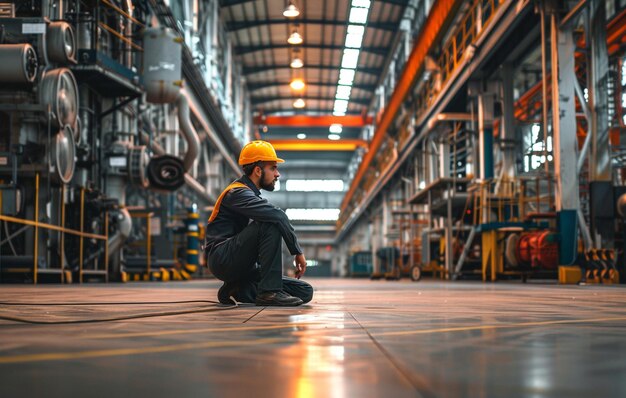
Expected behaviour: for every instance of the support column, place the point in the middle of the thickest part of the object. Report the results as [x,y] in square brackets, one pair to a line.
[601,187]
[508,125]
[444,159]
[564,138]
[564,120]
[598,97]
[485,133]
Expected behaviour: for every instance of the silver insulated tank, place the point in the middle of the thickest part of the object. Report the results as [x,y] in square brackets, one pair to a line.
[162,53]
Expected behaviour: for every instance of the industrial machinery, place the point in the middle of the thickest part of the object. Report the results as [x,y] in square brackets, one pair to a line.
[507,142]
[104,115]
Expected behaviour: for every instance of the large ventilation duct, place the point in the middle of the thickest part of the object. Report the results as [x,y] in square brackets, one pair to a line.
[19,63]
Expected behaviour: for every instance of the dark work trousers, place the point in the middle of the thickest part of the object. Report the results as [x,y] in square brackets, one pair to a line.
[251,262]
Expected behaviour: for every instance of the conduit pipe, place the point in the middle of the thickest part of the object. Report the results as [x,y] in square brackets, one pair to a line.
[215,140]
[124,226]
[188,131]
[449,117]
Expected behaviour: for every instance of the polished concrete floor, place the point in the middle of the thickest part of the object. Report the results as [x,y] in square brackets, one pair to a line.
[357,338]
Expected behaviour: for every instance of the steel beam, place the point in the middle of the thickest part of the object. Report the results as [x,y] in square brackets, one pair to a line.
[230,3]
[242,50]
[264,100]
[241,25]
[262,85]
[508,123]
[250,70]
[317,145]
[313,121]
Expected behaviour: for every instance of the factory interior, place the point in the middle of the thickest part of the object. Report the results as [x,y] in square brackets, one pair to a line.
[453,171]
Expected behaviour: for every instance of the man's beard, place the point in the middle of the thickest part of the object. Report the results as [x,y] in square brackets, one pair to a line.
[267,186]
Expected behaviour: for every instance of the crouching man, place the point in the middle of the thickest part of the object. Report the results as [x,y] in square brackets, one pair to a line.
[244,237]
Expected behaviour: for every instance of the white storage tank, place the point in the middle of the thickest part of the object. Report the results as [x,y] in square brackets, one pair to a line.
[162,58]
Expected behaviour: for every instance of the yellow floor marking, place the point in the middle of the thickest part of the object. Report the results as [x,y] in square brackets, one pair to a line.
[203,330]
[193,346]
[504,326]
[56,356]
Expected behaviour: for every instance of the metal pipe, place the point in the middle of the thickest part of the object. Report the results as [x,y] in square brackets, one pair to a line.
[584,230]
[573,13]
[124,226]
[189,132]
[215,140]
[544,85]
[581,99]
[449,117]
[585,108]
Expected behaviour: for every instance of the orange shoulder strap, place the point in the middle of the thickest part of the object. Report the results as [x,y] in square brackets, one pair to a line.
[216,208]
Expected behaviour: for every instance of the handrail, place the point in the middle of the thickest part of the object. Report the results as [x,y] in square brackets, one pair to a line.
[81,234]
[51,227]
[123,13]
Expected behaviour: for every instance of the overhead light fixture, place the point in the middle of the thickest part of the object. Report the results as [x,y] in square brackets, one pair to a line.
[301,136]
[335,128]
[297,84]
[297,63]
[291,11]
[295,38]
[299,103]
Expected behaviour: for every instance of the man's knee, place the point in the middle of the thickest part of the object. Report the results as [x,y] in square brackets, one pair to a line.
[268,228]
[302,290]
[307,293]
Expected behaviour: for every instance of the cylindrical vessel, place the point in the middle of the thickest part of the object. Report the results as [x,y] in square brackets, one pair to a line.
[538,250]
[162,56]
[193,241]
[19,63]
[63,155]
[61,43]
[59,90]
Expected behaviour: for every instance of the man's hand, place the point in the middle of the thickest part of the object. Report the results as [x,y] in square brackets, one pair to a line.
[300,265]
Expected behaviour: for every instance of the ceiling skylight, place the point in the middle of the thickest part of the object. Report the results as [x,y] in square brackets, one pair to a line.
[343,92]
[346,77]
[354,40]
[350,58]
[313,214]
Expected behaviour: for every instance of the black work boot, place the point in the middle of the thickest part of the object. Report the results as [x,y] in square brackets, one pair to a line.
[224,295]
[280,299]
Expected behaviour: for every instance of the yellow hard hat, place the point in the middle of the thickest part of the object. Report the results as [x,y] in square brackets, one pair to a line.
[258,151]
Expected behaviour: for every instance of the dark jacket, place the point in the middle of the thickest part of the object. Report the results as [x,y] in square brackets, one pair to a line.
[239,206]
